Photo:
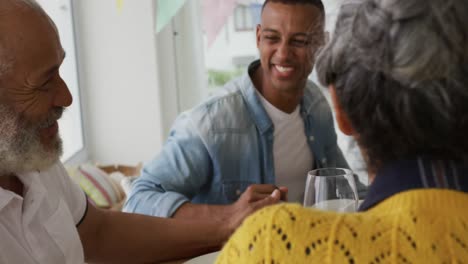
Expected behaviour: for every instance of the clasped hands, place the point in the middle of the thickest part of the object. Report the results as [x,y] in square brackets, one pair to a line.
[255,197]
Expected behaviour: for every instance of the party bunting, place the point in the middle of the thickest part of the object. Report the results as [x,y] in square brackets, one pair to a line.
[215,16]
[120,5]
[217,12]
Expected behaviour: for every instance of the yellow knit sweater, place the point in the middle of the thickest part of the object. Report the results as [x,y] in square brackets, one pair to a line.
[418,226]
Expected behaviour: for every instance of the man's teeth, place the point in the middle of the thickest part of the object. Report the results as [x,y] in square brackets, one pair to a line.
[283,69]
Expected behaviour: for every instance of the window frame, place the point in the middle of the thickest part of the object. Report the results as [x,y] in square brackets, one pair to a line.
[244,12]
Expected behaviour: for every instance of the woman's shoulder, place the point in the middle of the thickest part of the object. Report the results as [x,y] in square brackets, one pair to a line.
[286,231]
[281,230]
[290,233]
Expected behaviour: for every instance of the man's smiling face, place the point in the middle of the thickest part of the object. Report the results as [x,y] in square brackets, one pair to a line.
[32,93]
[287,39]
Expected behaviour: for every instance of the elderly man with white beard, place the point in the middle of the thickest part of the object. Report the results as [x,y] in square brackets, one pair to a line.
[44,216]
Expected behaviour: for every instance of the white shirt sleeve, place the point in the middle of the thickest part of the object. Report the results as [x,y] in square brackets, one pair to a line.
[72,194]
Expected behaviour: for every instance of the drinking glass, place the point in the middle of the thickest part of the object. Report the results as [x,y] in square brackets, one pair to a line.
[332,189]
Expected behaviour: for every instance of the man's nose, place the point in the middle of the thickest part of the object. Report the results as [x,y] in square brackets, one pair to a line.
[63,97]
[283,51]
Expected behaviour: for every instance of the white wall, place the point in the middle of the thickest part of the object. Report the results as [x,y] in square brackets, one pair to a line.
[190,59]
[118,79]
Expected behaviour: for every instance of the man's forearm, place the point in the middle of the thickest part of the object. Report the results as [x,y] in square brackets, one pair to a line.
[231,216]
[133,238]
[203,211]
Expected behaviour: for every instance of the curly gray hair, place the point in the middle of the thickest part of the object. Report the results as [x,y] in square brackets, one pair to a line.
[400,68]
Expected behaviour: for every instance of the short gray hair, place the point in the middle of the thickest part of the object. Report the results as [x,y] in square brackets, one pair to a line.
[400,68]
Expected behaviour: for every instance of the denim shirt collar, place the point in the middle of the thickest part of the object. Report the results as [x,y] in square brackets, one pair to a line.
[413,174]
[309,102]
[259,114]
[260,117]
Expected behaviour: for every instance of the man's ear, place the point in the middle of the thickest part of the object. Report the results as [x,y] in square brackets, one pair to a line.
[259,32]
[341,118]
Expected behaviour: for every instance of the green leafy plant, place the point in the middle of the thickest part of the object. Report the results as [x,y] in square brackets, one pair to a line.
[218,78]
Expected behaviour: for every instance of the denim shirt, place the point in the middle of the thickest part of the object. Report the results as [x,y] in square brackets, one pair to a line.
[219,148]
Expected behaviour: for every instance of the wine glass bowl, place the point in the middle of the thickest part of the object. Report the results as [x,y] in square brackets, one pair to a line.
[332,189]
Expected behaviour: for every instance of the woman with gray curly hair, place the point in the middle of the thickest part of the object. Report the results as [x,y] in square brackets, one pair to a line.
[398,75]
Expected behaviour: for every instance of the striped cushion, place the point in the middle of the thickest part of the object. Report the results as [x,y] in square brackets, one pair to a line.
[97,185]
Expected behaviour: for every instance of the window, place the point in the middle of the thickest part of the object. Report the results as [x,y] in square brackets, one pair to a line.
[243,18]
[234,48]
[196,65]
[71,126]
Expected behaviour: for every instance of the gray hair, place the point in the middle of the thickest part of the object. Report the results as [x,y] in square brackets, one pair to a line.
[400,68]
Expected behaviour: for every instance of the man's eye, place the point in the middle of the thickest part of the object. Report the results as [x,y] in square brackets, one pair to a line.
[271,38]
[45,86]
[299,42]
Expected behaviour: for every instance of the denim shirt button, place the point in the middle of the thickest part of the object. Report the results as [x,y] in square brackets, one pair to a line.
[311,138]
[238,192]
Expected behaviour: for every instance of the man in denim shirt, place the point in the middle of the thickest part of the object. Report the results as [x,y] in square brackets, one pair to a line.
[266,129]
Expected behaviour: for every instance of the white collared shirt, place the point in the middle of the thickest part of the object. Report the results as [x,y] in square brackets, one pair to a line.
[40,227]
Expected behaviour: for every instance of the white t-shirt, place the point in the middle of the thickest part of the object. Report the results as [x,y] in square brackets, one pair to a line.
[41,227]
[291,153]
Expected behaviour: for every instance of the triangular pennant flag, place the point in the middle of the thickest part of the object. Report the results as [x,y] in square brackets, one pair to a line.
[215,16]
[120,5]
[165,11]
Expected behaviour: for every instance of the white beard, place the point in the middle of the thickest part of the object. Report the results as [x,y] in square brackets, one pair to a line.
[20,147]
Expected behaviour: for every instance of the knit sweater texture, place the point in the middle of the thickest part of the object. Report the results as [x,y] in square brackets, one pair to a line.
[416,226]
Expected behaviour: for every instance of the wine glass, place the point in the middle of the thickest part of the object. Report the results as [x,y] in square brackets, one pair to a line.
[332,189]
